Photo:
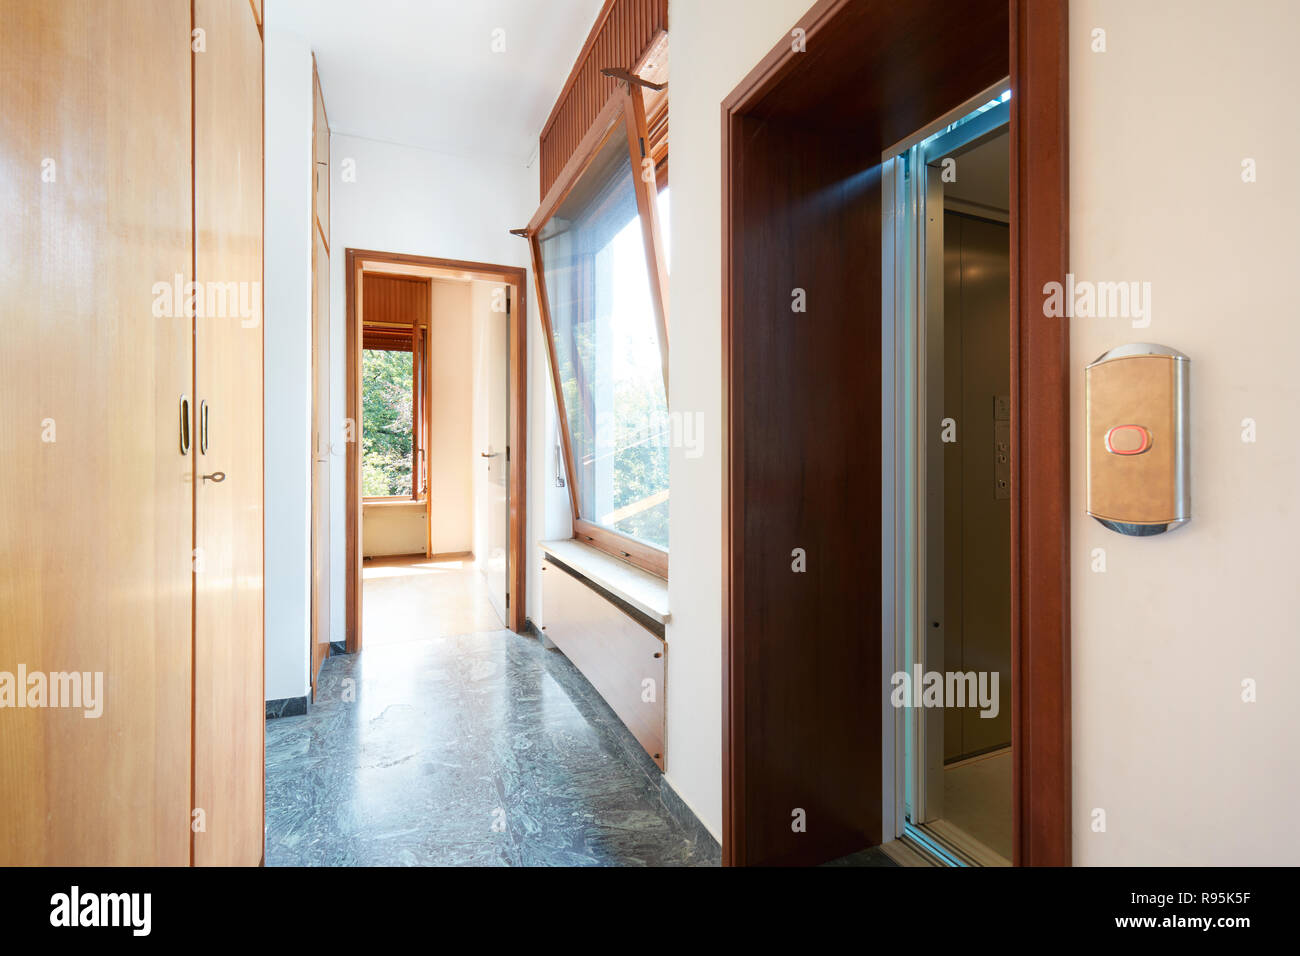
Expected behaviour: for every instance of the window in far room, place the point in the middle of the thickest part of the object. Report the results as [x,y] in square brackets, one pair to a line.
[392,406]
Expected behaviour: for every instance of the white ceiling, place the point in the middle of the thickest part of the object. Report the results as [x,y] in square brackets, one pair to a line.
[423,72]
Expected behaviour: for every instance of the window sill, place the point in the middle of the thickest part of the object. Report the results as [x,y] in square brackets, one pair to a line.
[641,589]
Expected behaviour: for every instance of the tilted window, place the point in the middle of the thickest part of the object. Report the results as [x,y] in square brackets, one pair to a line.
[602,278]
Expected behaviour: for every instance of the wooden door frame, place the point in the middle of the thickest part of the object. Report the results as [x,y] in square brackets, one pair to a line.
[1040,435]
[515,276]
[1040,363]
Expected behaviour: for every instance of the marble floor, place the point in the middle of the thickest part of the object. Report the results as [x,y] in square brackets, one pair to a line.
[472,749]
[413,598]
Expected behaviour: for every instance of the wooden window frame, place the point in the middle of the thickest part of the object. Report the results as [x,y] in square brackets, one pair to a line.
[419,424]
[623,112]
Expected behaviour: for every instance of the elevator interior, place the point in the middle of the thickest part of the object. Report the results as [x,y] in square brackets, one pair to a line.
[958,756]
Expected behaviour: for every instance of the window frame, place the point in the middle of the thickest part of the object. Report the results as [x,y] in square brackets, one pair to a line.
[419,405]
[623,114]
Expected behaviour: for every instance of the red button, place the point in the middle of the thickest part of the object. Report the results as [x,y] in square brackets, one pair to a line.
[1128,440]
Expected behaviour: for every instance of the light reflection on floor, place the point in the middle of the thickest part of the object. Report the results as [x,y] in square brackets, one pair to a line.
[405,599]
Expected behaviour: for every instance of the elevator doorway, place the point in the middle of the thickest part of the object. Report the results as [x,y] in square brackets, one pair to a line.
[950,234]
[815,473]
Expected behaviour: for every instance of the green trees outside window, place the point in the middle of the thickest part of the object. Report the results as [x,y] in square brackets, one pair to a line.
[387,423]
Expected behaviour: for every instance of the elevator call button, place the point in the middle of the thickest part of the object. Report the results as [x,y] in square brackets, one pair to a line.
[1128,440]
[1136,403]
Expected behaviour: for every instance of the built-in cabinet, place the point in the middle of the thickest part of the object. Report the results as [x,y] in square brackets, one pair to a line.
[131,520]
[590,612]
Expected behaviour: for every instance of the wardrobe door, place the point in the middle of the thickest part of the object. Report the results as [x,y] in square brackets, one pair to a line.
[95,530]
[229,708]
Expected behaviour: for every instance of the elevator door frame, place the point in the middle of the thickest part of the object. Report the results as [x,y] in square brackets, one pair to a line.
[792,126]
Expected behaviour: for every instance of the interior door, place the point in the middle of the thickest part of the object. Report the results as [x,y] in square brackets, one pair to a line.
[95,531]
[229,708]
[496,566]
[320,464]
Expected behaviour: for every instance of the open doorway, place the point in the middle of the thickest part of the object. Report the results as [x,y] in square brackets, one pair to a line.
[436,461]
[946,232]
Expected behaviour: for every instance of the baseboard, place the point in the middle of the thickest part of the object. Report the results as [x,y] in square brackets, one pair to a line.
[286,707]
[684,814]
[532,630]
[420,555]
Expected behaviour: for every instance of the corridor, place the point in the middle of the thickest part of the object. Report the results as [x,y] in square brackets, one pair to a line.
[481,749]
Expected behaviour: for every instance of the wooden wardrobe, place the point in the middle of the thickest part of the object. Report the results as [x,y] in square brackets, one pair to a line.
[131,516]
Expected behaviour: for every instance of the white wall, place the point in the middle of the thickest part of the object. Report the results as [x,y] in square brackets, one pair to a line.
[704,71]
[451,437]
[287,289]
[1187,772]
[417,201]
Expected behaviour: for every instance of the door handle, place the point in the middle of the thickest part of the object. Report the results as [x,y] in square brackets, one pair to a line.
[484,454]
[217,477]
[203,427]
[185,424]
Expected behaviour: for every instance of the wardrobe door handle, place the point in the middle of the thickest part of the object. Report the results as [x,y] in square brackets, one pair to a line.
[203,427]
[185,424]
